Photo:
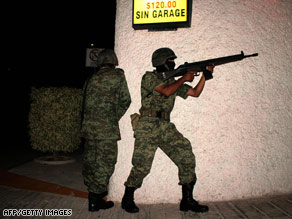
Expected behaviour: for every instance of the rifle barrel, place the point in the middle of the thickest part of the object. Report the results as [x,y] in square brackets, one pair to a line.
[255,54]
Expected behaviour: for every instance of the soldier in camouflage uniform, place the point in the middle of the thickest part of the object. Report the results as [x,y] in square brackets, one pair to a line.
[154,130]
[106,101]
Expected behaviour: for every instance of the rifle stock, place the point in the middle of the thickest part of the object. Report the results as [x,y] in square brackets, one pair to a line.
[201,65]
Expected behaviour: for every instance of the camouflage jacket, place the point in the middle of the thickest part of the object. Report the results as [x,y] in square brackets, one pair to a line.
[151,99]
[107,100]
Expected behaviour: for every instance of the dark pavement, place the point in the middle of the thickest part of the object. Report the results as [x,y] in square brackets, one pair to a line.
[35,186]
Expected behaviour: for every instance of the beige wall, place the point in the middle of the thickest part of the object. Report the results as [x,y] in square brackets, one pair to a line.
[241,126]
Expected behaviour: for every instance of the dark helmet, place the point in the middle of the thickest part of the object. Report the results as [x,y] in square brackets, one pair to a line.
[107,56]
[160,56]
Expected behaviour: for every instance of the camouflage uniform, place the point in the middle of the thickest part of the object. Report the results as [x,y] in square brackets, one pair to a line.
[107,100]
[153,132]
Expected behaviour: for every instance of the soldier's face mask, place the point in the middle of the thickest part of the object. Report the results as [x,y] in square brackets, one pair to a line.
[170,64]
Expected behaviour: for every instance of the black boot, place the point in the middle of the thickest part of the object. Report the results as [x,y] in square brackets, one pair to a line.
[96,202]
[128,200]
[188,203]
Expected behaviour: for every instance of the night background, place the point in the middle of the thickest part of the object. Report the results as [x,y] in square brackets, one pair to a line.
[46,46]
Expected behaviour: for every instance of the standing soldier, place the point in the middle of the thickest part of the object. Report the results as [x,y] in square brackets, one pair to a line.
[154,130]
[107,99]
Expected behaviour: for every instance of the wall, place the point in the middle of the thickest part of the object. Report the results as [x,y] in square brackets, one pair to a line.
[241,126]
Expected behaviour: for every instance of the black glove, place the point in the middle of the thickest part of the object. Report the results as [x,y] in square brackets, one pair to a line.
[208,74]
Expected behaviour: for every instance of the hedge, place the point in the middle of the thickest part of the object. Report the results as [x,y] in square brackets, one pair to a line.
[54,119]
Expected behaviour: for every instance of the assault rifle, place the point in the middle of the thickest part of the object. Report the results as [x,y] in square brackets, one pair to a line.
[201,66]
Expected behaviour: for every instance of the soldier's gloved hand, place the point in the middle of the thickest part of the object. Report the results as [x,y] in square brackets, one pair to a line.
[208,75]
[208,72]
[210,68]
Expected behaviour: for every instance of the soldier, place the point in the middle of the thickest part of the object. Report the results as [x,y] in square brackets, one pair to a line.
[107,99]
[154,130]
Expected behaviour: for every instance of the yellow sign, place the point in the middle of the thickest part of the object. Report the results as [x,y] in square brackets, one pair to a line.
[159,11]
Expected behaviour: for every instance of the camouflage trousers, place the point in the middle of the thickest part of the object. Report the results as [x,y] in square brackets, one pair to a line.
[99,159]
[172,143]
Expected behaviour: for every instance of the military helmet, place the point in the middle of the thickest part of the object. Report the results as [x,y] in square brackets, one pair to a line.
[107,56]
[160,56]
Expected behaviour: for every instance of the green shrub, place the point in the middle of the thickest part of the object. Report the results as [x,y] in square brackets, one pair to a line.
[54,119]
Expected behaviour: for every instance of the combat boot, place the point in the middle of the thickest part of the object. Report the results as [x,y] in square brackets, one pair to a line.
[128,200]
[96,202]
[188,203]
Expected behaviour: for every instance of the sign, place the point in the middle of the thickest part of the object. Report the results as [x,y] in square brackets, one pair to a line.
[92,56]
[161,14]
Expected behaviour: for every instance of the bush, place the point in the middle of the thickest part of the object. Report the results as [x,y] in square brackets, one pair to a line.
[54,119]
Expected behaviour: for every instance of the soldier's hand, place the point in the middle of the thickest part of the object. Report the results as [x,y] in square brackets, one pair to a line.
[210,68]
[189,76]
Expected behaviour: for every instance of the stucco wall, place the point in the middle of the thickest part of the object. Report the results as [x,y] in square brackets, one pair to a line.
[241,126]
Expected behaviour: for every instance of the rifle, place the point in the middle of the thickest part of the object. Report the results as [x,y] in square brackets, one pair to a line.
[201,65]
